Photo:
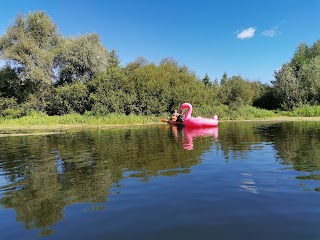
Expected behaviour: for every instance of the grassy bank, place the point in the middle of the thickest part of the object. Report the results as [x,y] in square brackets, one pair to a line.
[225,113]
[303,111]
[37,120]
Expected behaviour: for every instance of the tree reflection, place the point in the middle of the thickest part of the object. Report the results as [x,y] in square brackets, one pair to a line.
[237,139]
[298,145]
[47,173]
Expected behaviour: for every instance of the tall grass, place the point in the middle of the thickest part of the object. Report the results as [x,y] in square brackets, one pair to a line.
[248,113]
[224,113]
[37,119]
[234,113]
[303,111]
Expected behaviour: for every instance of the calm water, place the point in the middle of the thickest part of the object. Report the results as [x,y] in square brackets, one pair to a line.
[238,181]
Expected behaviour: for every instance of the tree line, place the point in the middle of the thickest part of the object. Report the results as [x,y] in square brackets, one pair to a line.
[49,73]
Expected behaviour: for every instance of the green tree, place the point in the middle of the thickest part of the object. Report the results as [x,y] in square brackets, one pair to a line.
[137,63]
[69,98]
[311,80]
[29,47]
[236,91]
[9,83]
[114,59]
[287,88]
[266,99]
[206,81]
[79,58]
[224,78]
[314,50]
[298,82]
[300,58]
[111,92]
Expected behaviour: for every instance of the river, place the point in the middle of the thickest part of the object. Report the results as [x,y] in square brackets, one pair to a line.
[237,181]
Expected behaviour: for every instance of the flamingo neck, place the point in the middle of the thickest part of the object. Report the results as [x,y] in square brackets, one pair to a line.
[189,111]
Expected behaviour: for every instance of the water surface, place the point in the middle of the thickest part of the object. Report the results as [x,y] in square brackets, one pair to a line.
[237,181]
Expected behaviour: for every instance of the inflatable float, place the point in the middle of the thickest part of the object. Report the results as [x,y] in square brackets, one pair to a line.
[197,122]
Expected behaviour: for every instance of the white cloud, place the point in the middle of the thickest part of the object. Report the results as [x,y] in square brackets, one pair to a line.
[246,33]
[271,32]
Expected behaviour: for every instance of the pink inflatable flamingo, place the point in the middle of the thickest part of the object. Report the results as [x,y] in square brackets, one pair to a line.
[197,122]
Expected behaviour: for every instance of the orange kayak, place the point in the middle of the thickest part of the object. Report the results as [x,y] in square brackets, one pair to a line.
[174,122]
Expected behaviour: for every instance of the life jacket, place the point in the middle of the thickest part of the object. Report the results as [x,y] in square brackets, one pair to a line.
[173,118]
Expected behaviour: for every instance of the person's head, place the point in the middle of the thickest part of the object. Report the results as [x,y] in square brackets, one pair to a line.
[175,111]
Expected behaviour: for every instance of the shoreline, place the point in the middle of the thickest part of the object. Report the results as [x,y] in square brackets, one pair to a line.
[277,119]
[18,130]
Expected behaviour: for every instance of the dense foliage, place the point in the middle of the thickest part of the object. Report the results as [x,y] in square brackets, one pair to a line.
[298,82]
[46,72]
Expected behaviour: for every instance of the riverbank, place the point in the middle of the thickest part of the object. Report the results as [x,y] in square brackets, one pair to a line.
[59,124]
[277,119]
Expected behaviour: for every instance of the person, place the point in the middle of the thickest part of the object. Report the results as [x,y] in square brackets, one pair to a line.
[180,117]
[174,115]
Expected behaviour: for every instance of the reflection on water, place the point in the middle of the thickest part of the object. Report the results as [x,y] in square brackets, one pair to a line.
[248,183]
[186,135]
[142,179]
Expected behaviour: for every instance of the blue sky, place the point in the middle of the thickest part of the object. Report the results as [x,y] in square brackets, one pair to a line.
[248,38]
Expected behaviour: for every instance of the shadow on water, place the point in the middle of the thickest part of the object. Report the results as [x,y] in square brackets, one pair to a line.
[44,174]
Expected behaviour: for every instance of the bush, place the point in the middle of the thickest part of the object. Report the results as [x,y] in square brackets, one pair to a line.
[70,98]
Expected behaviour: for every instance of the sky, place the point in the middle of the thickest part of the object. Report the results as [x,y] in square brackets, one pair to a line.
[251,38]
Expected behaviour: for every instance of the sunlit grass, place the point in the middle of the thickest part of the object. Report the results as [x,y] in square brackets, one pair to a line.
[248,113]
[234,113]
[37,119]
[225,113]
[303,111]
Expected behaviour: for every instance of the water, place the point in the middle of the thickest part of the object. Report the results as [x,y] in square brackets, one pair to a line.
[237,181]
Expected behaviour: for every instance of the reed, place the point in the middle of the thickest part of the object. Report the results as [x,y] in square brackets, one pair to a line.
[77,119]
[303,111]
[248,113]
[234,112]
[224,112]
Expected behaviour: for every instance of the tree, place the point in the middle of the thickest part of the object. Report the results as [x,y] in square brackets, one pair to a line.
[314,50]
[137,63]
[70,98]
[287,88]
[236,91]
[224,78]
[28,46]
[9,83]
[206,80]
[114,59]
[300,58]
[79,58]
[311,80]
[298,82]
[170,61]
[111,92]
